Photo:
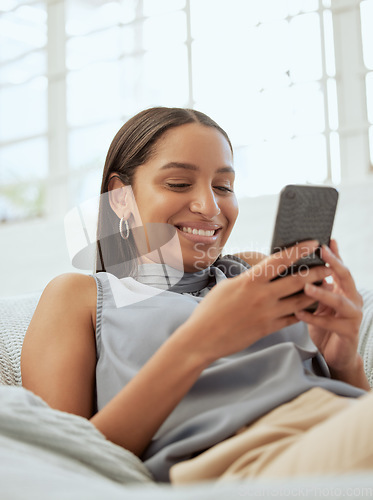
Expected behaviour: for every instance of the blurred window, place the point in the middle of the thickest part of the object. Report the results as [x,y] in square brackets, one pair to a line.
[23,108]
[366,10]
[263,69]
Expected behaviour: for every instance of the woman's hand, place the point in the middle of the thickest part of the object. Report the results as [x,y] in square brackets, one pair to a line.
[239,311]
[334,327]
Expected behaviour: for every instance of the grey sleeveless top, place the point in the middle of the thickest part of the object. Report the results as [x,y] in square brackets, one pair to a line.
[134,318]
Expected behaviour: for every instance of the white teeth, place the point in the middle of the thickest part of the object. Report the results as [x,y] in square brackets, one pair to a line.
[200,232]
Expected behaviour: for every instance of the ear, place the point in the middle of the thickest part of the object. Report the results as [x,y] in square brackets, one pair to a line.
[119,195]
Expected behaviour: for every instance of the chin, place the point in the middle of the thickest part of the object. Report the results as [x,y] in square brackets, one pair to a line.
[200,259]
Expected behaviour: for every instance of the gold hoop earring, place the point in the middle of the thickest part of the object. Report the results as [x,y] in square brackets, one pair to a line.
[126,232]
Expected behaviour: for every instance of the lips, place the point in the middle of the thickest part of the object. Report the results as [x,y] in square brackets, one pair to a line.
[199,231]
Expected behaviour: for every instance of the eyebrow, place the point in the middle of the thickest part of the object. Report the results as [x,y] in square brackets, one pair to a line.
[190,166]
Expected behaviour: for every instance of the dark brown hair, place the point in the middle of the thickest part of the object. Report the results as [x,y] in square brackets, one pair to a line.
[133,145]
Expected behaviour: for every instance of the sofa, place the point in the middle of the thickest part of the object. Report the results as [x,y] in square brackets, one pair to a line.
[49,454]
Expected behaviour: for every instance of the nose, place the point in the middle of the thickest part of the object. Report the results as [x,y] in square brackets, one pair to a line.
[205,203]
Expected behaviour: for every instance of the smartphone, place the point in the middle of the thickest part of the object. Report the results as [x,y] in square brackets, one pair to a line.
[304,213]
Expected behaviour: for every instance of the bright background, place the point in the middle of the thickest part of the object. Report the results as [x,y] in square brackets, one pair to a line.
[290,80]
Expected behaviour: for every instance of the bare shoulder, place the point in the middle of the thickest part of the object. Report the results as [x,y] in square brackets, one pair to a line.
[252,257]
[71,291]
[71,282]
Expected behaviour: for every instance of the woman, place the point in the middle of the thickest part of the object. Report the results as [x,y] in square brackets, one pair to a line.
[164,354]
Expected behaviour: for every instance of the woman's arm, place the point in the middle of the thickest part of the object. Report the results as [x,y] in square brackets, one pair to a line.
[58,358]
[58,355]
[135,414]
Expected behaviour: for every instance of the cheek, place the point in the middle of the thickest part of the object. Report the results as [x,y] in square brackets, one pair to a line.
[158,206]
[230,210]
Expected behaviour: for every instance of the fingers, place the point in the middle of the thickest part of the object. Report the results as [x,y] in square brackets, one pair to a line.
[335,263]
[339,303]
[322,308]
[278,262]
[332,323]
[341,273]
[344,312]
[327,286]
[280,322]
[295,282]
[290,305]
[334,248]
[285,321]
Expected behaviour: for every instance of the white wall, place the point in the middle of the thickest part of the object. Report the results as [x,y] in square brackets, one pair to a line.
[33,252]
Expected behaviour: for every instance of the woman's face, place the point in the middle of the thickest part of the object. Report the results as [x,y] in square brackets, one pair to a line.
[188,183]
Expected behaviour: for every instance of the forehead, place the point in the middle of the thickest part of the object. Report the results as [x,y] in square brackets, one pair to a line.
[194,143]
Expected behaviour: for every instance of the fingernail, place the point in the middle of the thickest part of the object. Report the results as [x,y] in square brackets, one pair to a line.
[309,287]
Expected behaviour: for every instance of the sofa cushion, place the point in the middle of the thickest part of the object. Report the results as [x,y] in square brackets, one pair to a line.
[15,315]
[365,347]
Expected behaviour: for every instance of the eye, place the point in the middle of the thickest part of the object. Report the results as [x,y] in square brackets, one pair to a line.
[224,189]
[177,186]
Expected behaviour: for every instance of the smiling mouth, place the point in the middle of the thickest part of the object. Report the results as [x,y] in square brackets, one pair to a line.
[199,235]
[199,232]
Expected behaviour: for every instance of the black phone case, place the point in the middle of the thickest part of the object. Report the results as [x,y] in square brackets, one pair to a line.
[304,213]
